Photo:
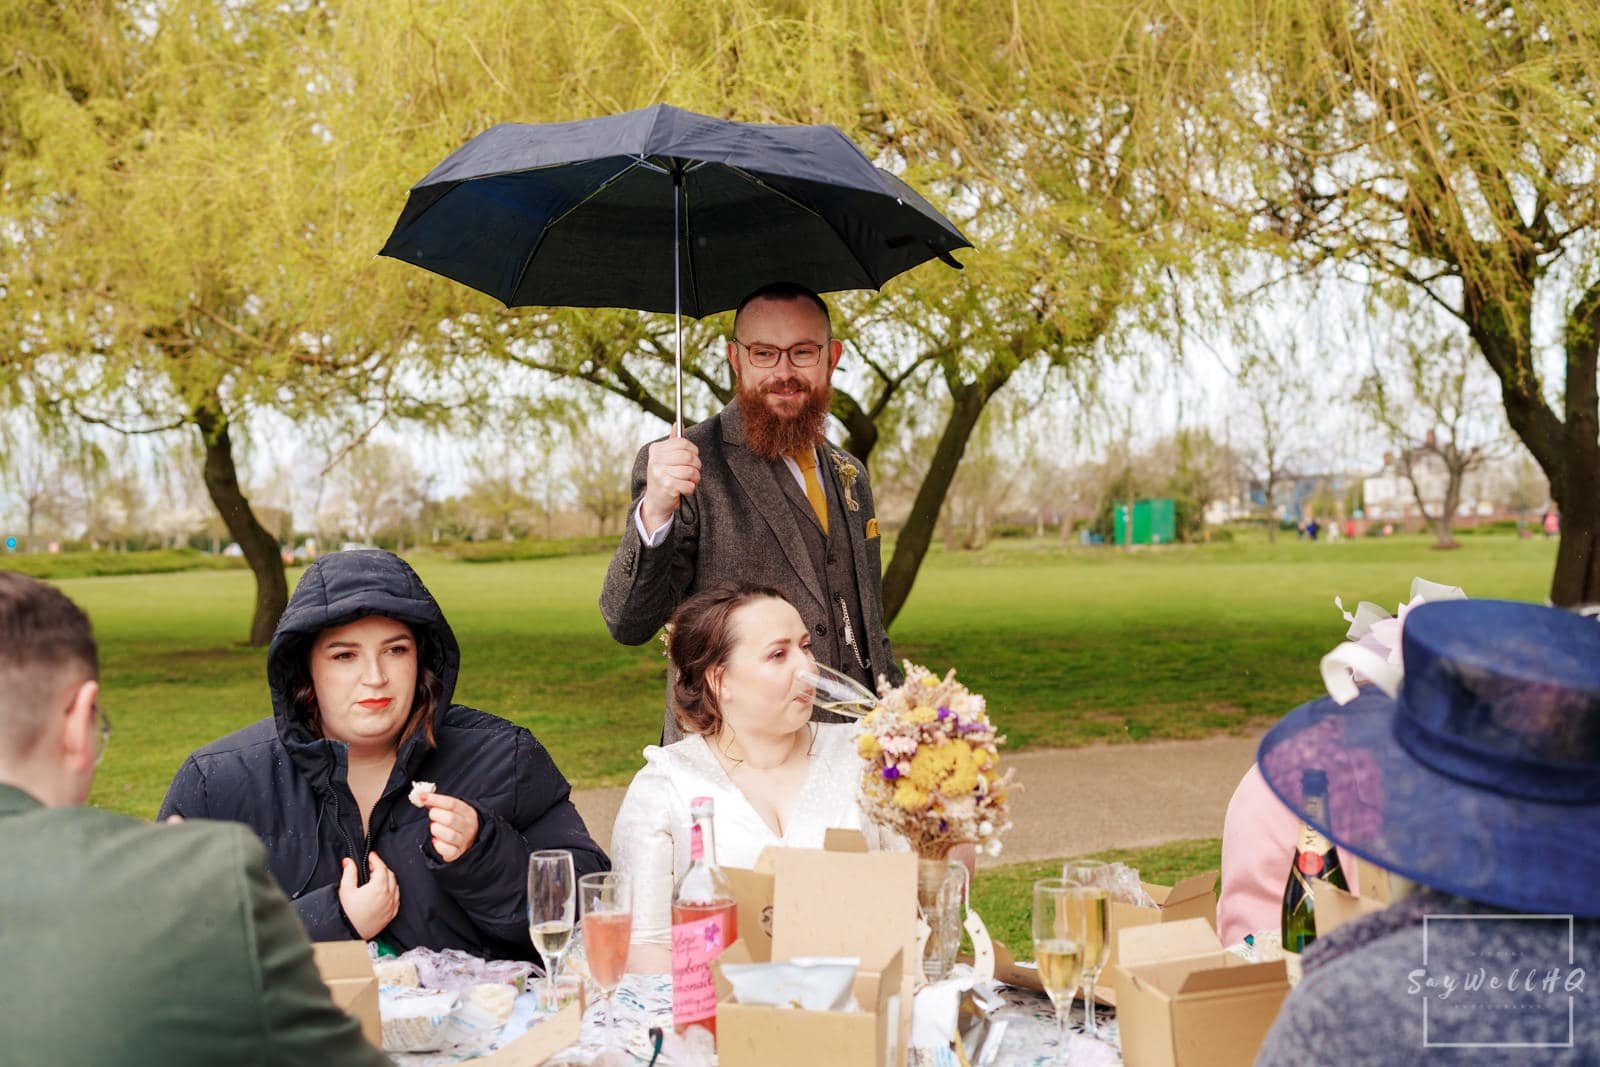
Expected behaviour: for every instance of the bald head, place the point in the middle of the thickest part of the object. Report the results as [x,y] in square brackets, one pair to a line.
[785,293]
[47,650]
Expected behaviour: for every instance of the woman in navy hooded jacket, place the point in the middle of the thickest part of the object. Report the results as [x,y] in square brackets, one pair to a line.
[361,671]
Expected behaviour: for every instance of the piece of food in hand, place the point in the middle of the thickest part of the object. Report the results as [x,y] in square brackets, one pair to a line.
[420,790]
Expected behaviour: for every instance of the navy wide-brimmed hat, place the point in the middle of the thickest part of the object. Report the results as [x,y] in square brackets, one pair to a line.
[1481,777]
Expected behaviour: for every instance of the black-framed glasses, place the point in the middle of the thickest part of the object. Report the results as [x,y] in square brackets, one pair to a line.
[103,739]
[803,354]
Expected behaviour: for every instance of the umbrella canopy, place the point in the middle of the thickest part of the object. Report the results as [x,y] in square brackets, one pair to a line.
[587,213]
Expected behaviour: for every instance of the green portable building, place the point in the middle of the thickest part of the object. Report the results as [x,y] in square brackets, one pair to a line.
[1146,522]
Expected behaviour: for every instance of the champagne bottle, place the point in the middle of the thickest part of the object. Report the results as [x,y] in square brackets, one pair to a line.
[1314,857]
[705,920]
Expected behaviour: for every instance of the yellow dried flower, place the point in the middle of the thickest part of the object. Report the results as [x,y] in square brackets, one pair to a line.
[947,768]
[908,797]
[867,746]
[921,714]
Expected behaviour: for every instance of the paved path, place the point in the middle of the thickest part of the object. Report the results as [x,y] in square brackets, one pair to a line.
[1081,800]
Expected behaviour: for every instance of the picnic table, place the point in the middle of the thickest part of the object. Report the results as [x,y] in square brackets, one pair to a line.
[643,1001]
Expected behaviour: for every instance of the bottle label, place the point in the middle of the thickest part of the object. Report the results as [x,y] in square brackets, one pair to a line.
[1311,840]
[697,844]
[1310,864]
[694,945]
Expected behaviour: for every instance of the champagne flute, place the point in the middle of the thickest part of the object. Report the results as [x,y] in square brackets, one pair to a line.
[606,904]
[1057,953]
[1090,924]
[552,909]
[836,691]
[1093,876]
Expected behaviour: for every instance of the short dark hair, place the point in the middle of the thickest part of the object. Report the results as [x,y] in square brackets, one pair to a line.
[302,691]
[700,639]
[784,291]
[43,636]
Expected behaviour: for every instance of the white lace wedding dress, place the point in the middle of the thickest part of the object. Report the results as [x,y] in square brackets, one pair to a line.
[650,839]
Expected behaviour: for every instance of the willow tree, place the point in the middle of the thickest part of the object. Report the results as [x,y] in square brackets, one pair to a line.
[178,255]
[1449,148]
[1045,133]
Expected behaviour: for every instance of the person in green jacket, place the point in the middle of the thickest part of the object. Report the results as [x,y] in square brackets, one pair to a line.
[123,942]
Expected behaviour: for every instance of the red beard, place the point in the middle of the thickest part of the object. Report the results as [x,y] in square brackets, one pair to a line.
[771,435]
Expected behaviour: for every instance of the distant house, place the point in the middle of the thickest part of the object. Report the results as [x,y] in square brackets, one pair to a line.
[1497,488]
[1295,495]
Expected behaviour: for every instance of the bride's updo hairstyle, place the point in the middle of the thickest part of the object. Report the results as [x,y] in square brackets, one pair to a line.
[700,638]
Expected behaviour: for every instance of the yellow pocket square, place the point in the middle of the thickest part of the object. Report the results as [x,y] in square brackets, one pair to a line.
[872,528]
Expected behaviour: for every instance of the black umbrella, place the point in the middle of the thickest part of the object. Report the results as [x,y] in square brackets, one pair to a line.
[580,214]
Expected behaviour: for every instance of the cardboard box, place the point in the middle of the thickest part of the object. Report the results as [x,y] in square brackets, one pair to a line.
[752,888]
[1333,907]
[1376,883]
[1192,898]
[347,971]
[1185,1001]
[751,1034]
[542,1041]
[753,891]
[829,903]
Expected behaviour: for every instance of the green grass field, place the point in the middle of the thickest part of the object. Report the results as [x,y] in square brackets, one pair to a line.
[1004,895]
[1070,647]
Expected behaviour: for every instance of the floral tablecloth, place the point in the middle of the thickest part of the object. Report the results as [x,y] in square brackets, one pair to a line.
[1023,1032]
[1029,1037]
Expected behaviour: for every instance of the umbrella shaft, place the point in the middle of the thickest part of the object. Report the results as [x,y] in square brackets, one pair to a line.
[677,296]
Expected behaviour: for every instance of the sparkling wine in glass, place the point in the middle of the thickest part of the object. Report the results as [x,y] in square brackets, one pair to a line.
[837,692]
[1057,952]
[552,909]
[1092,927]
[606,903]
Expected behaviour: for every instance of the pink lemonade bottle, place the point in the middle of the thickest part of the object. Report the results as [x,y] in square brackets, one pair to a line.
[705,920]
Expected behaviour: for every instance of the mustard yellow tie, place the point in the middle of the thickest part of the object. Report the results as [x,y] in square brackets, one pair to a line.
[807,461]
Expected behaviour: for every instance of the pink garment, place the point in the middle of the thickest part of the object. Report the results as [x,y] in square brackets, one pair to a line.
[1259,835]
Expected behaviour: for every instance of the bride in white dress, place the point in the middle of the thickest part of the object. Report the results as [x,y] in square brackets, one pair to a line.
[777,777]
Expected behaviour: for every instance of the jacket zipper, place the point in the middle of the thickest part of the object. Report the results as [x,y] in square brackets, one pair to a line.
[349,846]
[359,857]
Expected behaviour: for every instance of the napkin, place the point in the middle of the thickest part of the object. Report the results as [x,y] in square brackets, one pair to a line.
[813,983]
[936,1010]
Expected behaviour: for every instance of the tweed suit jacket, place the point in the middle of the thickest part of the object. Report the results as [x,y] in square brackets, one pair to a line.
[738,526]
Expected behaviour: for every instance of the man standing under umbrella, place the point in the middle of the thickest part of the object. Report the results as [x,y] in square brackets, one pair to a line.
[757,494]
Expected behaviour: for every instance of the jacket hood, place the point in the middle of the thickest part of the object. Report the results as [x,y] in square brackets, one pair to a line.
[342,587]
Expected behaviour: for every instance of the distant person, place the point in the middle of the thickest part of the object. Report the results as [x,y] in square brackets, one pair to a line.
[1477,784]
[1300,530]
[361,672]
[1313,528]
[122,942]
[756,494]
[1552,524]
[1350,529]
